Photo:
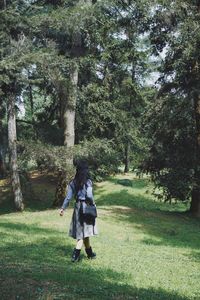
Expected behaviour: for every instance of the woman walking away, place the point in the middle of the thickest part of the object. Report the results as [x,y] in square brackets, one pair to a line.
[80,229]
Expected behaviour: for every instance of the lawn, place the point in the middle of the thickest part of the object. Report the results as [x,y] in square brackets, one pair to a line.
[146,250]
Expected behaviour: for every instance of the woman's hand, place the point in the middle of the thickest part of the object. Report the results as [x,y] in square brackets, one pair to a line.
[61,212]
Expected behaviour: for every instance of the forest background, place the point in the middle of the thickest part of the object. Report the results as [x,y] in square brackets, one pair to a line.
[115,83]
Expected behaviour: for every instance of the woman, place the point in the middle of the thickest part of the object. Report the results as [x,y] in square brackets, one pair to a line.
[81,188]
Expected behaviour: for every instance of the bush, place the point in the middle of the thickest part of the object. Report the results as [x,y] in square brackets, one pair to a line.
[36,155]
[101,156]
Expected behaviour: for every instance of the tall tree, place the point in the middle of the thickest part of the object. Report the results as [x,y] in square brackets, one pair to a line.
[173,121]
[112,101]
[12,39]
[12,142]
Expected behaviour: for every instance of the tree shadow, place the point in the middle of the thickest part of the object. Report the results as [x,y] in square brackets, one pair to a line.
[31,204]
[42,270]
[194,256]
[7,207]
[135,183]
[126,198]
[27,229]
[6,203]
[164,227]
[38,193]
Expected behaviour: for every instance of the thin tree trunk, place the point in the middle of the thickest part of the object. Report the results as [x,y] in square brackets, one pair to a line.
[30,91]
[127,144]
[68,120]
[31,101]
[126,168]
[32,108]
[12,138]
[2,167]
[2,159]
[69,113]
[195,203]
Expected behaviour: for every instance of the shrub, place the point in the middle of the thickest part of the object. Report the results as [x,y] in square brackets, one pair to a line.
[101,156]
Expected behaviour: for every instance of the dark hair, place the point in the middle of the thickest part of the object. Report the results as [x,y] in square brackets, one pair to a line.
[82,175]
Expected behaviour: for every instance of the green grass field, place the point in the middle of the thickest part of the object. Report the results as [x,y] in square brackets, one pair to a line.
[146,250]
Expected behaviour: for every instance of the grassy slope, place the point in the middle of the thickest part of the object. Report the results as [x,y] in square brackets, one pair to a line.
[146,250]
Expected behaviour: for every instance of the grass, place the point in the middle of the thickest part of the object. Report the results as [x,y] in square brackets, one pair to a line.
[146,250]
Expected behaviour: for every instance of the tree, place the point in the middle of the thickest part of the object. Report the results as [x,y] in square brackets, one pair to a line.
[13,42]
[12,138]
[112,103]
[77,65]
[173,120]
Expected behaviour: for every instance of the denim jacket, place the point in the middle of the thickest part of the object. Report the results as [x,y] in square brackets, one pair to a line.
[81,195]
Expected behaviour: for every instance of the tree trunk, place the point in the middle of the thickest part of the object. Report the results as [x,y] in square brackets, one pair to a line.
[2,158]
[69,133]
[12,139]
[60,189]
[69,113]
[2,167]
[195,203]
[32,110]
[126,168]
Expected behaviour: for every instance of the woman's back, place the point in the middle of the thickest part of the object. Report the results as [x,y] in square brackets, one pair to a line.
[84,192]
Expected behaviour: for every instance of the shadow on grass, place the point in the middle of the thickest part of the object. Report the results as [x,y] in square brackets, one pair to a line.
[134,183]
[7,207]
[27,229]
[31,204]
[41,195]
[6,201]
[42,271]
[38,192]
[164,227]
[40,198]
[126,198]
[195,256]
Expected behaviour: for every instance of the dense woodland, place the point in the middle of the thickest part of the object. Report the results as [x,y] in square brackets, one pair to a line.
[116,83]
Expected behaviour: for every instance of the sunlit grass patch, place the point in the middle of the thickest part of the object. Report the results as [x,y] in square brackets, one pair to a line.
[145,250]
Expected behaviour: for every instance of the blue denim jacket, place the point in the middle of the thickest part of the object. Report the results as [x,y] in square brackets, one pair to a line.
[80,195]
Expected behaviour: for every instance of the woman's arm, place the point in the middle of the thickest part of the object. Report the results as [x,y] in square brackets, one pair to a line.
[67,199]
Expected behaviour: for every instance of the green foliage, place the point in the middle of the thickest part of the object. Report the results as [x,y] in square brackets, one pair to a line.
[96,115]
[103,42]
[102,157]
[172,122]
[170,159]
[37,155]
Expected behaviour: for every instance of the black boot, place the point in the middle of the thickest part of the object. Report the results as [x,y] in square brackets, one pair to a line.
[90,254]
[76,255]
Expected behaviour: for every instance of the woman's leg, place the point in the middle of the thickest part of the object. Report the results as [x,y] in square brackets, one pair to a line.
[88,249]
[77,250]
[79,244]
[86,242]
